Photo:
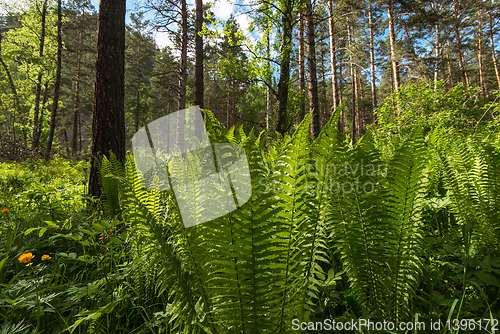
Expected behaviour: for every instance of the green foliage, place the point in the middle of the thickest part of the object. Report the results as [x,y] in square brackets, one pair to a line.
[331,231]
[428,105]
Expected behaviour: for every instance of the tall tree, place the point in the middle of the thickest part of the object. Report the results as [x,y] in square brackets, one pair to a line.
[57,88]
[492,43]
[484,90]
[302,82]
[458,41]
[108,127]
[392,40]
[198,57]
[333,58]
[372,56]
[311,65]
[287,22]
[36,125]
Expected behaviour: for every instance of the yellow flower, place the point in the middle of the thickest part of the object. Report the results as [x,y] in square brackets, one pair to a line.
[45,257]
[5,210]
[29,264]
[25,258]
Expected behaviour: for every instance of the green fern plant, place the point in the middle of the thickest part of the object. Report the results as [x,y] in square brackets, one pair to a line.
[259,267]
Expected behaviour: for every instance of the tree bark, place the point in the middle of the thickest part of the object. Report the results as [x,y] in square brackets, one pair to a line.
[108,127]
[372,59]
[36,130]
[198,57]
[484,92]
[333,60]
[353,85]
[459,44]
[326,114]
[284,80]
[57,85]
[268,89]
[76,114]
[497,73]
[450,72]
[182,77]
[341,125]
[392,39]
[311,62]
[302,82]
[17,104]
[436,54]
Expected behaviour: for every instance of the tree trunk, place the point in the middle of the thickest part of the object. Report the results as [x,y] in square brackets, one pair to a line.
[341,126]
[76,114]
[57,84]
[179,139]
[436,54]
[302,82]
[268,89]
[17,104]
[311,62]
[137,92]
[108,127]
[450,72]
[497,73]
[372,59]
[326,113]
[36,130]
[353,85]
[459,44]
[441,55]
[484,92]
[333,60]
[284,81]
[198,57]
[360,112]
[392,38]
[229,118]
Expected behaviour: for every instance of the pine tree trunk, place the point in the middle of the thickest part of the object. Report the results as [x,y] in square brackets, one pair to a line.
[183,62]
[372,59]
[57,84]
[392,39]
[302,84]
[450,72]
[441,55]
[326,113]
[484,92]
[341,126]
[459,44]
[284,80]
[497,73]
[198,59]
[311,62]
[36,130]
[436,54]
[108,127]
[353,84]
[228,106]
[76,114]
[179,137]
[333,60]
[268,89]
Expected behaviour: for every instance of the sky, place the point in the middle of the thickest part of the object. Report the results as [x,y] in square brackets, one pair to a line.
[222,10]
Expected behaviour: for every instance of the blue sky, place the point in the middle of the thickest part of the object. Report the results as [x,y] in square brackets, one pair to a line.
[222,10]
